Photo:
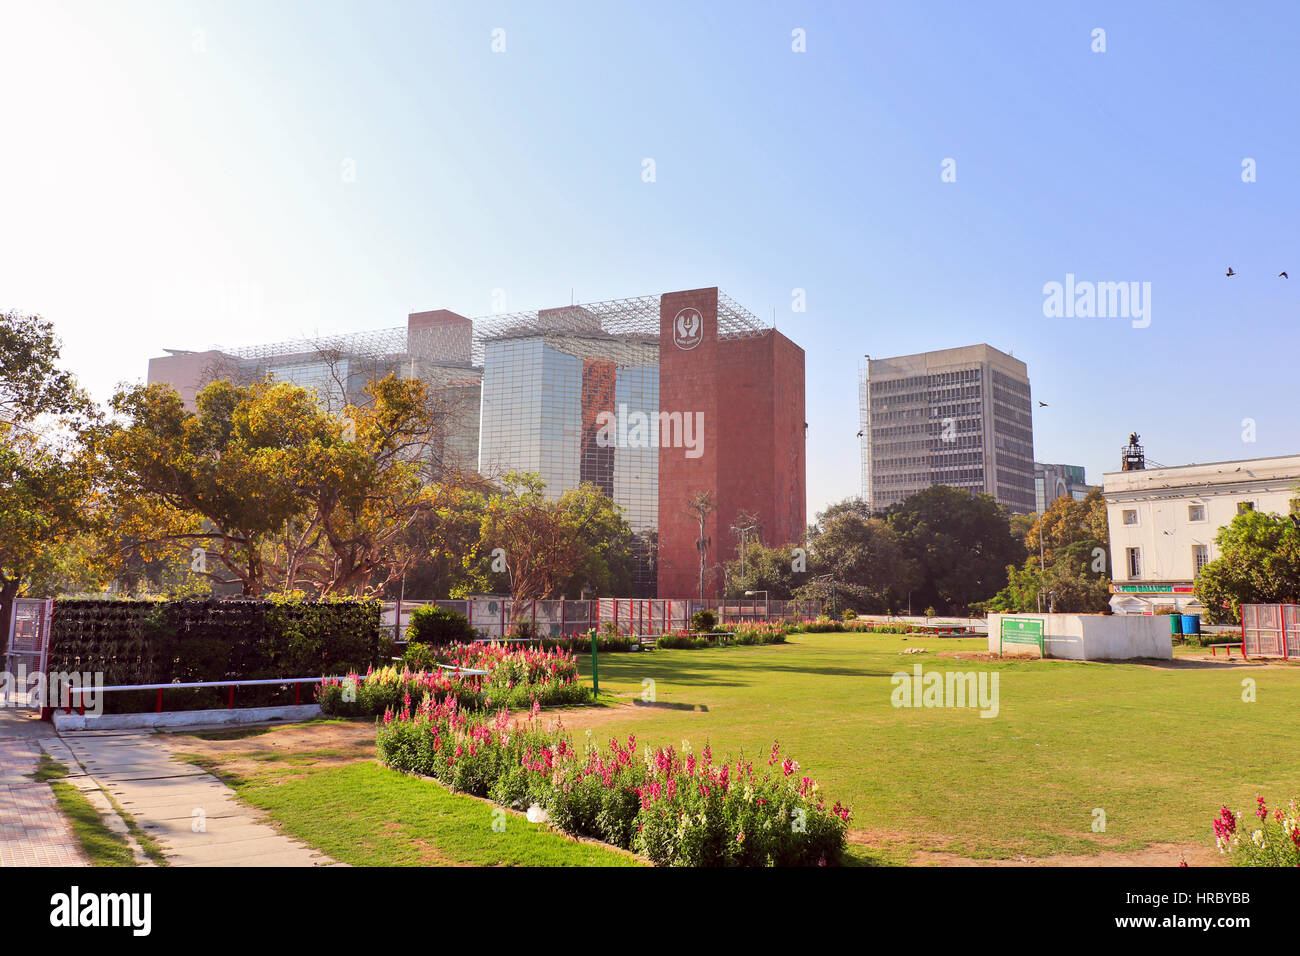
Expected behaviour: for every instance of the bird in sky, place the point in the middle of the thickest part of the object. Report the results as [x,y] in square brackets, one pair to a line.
[859,434]
[1230,273]
[1042,404]
[1283,275]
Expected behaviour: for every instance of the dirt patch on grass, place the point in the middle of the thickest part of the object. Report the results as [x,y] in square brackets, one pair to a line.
[581,719]
[280,752]
[898,843]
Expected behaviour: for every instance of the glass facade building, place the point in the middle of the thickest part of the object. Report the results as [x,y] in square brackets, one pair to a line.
[567,408]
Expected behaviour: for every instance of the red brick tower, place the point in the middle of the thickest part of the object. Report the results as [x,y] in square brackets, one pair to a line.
[749,393]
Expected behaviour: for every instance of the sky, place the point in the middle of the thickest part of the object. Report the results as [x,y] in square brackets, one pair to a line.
[185,175]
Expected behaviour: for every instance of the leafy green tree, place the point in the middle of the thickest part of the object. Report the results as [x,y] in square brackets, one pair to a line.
[961,544]
[1258,563]
[48,479]
[1071,572]
[765,569]
[552,546]
[859,561]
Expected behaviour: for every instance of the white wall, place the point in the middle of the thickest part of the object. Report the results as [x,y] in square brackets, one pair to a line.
[1090,637]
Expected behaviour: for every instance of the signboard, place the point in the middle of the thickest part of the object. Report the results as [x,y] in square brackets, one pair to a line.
[1019,630]
[1151,589]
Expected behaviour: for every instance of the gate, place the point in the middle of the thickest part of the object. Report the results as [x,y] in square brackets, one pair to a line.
[29,647]
[1270,630]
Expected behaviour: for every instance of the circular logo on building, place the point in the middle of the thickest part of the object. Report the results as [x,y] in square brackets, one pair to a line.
[688,329]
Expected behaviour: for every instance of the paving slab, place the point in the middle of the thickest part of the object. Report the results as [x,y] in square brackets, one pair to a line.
[33,831]
[162,795]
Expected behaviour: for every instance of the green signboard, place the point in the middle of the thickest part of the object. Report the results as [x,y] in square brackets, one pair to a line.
[1021,631]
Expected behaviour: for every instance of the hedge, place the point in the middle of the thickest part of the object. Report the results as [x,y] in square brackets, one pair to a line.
[162,642]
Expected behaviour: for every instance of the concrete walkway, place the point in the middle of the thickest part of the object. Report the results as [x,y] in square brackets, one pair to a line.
[33,831]
[195,816]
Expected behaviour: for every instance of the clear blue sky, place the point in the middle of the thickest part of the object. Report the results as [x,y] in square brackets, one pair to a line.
[173,175]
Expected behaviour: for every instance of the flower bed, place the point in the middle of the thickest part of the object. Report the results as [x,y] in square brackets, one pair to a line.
[825,625]
[1274,841]
[739,633]
[675,808]
[516,678]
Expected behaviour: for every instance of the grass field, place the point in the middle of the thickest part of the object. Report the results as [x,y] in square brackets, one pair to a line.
[1158,748]
[366,815]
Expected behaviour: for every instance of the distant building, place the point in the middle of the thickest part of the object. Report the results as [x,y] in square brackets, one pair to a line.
[651,399]
[435,347]
[1163,521]
[1058,481]
[960,417]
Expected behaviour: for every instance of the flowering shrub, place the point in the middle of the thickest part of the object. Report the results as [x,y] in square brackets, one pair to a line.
[676,809]
[515,678]
[1274,841]
[732,632]
[826,625]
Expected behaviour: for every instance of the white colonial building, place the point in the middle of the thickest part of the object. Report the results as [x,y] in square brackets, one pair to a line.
[1163,522]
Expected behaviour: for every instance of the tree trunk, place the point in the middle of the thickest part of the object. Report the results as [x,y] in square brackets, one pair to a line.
[8,594]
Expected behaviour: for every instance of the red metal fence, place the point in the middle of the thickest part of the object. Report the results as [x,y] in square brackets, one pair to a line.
[645,617]
[1270,630]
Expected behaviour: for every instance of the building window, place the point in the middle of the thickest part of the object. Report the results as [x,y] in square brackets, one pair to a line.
[1196,512]
[1134,563]
[1200,558]
[1130,516]
[1244,506]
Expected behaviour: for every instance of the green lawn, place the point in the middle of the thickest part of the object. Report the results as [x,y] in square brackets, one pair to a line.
[366,815]
[1159,749]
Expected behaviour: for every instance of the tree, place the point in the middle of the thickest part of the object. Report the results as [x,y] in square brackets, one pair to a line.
[765,569]
[270,490]
[547,545]
[699,507]
[1071,572]
[1258,563]
[861,559]
[47,478]
[960,542]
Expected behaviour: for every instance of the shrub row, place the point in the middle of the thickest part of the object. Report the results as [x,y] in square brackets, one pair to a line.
[732,633]
[163,642]
[826,625]
[675,808]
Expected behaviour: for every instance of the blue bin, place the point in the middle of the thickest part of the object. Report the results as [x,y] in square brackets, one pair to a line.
[1191,624]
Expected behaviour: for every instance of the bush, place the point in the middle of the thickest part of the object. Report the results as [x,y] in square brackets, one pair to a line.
[419,657]
[703,621]
[677,809]
[439,626]
[732,633]
[849,615]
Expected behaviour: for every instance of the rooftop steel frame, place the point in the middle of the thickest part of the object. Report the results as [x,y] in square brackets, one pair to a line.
[624,329]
